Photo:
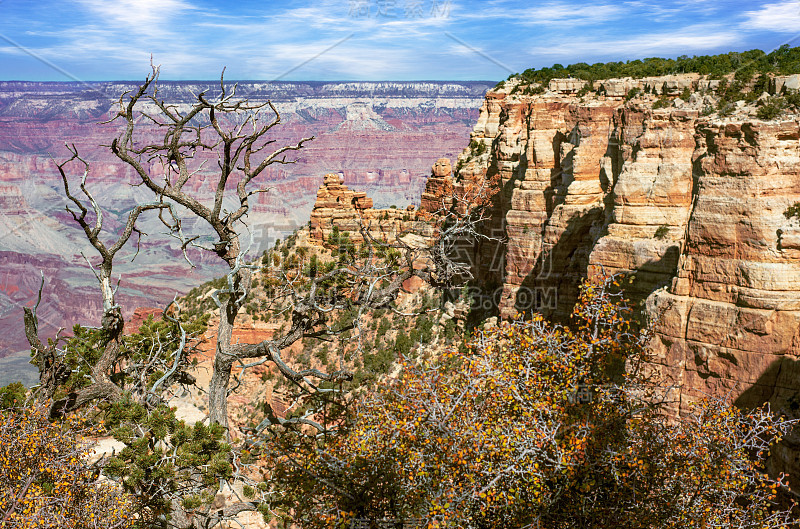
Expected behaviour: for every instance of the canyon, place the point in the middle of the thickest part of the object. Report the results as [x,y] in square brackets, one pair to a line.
[634,177]
[379,136]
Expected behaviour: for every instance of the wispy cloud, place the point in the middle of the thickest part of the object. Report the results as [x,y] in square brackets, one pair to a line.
[566,14]
[783,17]
[142,17]
[665,11]
[555,13]
[194,39]
[692,39]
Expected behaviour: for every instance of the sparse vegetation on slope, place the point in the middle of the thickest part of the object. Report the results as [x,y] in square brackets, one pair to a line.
[536,425]
[368,350]
[45,479]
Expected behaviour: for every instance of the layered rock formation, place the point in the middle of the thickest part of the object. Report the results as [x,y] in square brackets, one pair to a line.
[731,315]
[660,85]
[338,208]
[436,187]
[689,207]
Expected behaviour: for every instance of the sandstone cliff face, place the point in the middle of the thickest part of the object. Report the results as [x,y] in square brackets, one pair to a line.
[690,207]
[731,314]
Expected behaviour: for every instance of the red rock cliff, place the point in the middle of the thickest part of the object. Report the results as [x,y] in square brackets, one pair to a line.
[688,204]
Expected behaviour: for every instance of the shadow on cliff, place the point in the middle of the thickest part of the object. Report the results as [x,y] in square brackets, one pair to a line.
[566,240]
[487,256]
[552,285]
[779,386]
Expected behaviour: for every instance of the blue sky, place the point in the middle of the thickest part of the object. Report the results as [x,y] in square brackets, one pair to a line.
[94,40]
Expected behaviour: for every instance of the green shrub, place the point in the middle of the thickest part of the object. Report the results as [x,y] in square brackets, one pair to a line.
[588,87]
[532,90]
[761,85]
[384,327]
[12,395]
[793,99]
[771,109]
[725,108]
[450,330]
[662,102]
[662,232]
[792,211]
[424,329]
[633,92]
[744,75]
[333,238]
[402,345]
[190,459]
[476,148]
[312,268]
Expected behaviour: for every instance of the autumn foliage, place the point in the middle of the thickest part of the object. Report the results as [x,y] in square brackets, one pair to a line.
[532,424]
[45,480]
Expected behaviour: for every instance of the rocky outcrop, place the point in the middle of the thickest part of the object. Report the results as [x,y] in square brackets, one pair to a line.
[689,207]
[436,187]
[665,84]
[661,85]
[782,83]
[338,208]
[566,86]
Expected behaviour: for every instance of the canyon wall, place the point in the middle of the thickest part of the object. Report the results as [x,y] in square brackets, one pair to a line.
[687,204]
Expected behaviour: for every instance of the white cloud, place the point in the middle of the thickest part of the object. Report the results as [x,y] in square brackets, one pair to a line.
[783,17]
[555,13]
[143,17]
[697,38]
[568,14]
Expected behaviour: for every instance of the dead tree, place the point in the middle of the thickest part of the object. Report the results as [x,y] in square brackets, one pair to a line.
[242,157]
[51,370]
